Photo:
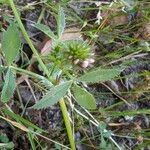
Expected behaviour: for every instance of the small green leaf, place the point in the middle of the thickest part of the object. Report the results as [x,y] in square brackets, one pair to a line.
[45,29]
[53,96]
[11,43]
[83,97]
[100,75]
[60,22]
[9,86]
[4,138]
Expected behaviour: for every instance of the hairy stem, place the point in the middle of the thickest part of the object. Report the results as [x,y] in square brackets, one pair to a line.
[46,71]
[22,71]
[67,122]
[27,37]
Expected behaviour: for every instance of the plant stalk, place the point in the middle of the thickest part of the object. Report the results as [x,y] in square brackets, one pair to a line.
[25,34]
[46,71]
[67,123]
[31,74]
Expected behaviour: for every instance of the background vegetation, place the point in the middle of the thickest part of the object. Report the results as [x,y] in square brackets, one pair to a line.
[74,74]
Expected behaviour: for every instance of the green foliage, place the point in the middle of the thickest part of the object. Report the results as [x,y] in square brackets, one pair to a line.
[66,53]
[83,97]
[9,86]
[100,75]
[9,145]
[104,145]
[128,113]
[53,96]
[1,69]
[114,42]
[3,1]
[102,129]
[60,26]
[4,142]
[11,43]
[60,22]
[31,139]
[4,138]
[45,29]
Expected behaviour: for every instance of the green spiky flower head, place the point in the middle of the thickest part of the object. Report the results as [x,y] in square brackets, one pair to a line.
[78,50]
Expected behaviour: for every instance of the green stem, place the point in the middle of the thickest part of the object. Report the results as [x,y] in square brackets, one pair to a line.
[27,37]
[67,123]
[41,15]
[22,71]
[46,71]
